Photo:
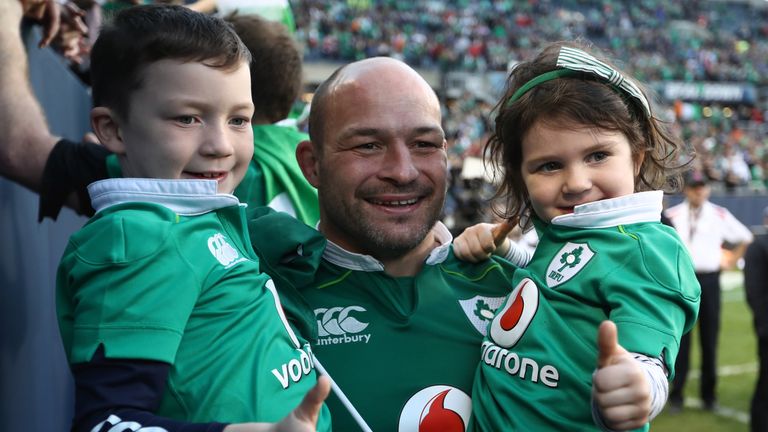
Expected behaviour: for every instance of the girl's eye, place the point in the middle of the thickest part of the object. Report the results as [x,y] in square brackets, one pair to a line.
[549,166]
[598,156]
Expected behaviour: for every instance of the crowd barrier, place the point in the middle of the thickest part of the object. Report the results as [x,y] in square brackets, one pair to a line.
[36,392]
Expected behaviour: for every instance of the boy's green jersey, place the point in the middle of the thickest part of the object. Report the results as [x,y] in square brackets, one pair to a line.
[613,260]
[402,349]
[164,271]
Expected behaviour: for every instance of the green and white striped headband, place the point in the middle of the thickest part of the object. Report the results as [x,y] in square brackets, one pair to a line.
[574,62]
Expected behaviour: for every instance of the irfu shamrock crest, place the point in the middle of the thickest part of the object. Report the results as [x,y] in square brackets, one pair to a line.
[570,259]
[568,262]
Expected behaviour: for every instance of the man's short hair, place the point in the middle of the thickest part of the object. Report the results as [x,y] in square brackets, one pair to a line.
[319,106]
[141,35]
[276,69]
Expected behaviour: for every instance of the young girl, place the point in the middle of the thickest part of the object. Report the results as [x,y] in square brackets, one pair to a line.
[582,157]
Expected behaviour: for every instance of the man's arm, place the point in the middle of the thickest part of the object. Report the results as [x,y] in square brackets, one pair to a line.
[25,139]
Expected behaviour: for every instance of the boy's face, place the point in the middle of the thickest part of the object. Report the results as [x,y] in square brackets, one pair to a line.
[189,121]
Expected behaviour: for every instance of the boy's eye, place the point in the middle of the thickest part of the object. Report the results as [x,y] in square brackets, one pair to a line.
[241,121]
[187,120]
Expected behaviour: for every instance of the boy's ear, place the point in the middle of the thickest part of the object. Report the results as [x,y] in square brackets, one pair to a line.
[308,162]
[106,126]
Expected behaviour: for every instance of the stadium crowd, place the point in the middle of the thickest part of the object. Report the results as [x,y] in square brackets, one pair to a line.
[682,40]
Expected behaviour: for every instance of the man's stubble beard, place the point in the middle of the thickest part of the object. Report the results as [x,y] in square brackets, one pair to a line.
[390,240]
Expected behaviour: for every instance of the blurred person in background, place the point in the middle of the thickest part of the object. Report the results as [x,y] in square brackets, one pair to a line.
[756,287]
[704,228]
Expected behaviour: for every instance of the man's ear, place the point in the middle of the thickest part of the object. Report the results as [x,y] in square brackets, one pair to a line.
[308,162]
[106,126]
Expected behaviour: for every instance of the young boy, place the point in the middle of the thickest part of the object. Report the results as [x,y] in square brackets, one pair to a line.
[167,322]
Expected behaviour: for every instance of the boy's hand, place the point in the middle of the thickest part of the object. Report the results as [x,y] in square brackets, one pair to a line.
[619,386]
[302,419]
[479,242]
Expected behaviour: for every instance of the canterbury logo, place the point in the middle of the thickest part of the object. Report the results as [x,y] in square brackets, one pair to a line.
[516,314]
[337,321]
[223,251]
[340,325]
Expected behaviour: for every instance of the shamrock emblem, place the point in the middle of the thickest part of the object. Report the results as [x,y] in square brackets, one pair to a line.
[570,259]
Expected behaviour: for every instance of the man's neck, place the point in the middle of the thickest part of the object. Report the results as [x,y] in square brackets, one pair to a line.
[407,264]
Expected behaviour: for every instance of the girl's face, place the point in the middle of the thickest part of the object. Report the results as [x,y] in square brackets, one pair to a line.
[567,165]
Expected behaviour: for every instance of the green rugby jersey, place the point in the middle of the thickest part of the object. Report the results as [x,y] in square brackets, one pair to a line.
[611,259]
[164,271]
[403,349]
[273,178]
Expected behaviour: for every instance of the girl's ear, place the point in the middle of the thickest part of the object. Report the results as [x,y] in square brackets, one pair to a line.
[106,126]
[638,161]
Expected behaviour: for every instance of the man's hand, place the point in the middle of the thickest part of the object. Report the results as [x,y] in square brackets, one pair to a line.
[479,242]
[72,39]
[619,386]
[302,419]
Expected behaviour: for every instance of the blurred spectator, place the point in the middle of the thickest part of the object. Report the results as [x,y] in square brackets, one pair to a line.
[660,40]
[704,228]
[756,287]
[47,13]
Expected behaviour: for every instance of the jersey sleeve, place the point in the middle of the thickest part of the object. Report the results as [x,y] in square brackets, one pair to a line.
[70,168]
[653,297]
[290,252]
[124,394]
[123,283]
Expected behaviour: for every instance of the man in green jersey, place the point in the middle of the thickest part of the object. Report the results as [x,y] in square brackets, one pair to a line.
[393,316]
[166,319]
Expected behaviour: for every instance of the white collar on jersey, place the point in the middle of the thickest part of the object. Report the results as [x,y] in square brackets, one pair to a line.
[353,261]
[184,197]
[635,208]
